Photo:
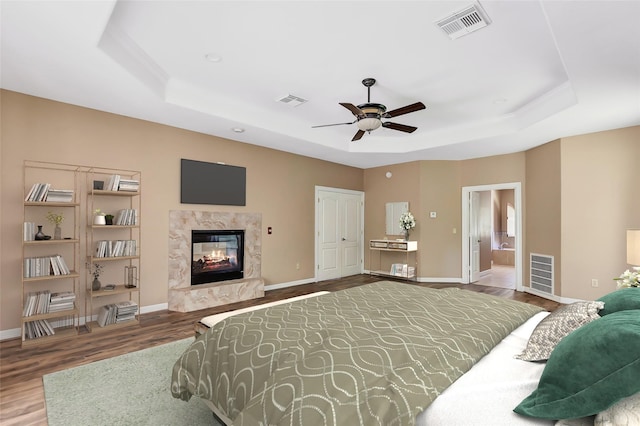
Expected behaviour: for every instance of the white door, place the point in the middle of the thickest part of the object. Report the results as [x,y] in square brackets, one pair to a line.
[474,237]
[339,237]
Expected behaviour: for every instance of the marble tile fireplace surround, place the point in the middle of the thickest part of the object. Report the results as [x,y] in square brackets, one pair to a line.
[186,298]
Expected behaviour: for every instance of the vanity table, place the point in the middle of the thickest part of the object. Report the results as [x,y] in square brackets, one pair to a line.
[393,258]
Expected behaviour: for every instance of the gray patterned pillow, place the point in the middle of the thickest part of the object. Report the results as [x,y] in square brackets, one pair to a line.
[556,326]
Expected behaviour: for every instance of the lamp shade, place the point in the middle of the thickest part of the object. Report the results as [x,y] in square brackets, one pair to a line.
[633,247]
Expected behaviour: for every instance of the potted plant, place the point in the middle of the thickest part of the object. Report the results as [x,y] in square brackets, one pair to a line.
[108,219]
[56,219]
[99,218]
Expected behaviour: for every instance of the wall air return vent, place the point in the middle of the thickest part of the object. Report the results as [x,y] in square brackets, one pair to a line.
[463,22]
[541,277]
[291,100]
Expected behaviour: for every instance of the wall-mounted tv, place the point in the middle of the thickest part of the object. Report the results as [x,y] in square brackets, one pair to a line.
[212,183]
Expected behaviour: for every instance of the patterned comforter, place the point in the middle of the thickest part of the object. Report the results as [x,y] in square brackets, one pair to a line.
[374,354]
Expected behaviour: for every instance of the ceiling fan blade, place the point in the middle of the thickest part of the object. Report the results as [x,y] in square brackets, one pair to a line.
[401,127]
[336,124]
[358,135]
[354,109]
[405,110]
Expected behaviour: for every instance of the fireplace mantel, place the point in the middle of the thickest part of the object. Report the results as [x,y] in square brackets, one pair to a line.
[186,298]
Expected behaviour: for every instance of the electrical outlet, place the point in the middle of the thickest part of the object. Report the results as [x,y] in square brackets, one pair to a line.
[298,265]
[594,282]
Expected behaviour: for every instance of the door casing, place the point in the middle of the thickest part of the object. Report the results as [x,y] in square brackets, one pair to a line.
[351,196]
[466,226]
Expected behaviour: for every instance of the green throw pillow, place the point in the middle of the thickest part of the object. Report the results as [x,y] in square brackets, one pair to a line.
[621,300]
[589,370]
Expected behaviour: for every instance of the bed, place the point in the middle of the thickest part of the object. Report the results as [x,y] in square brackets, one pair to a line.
[382,353]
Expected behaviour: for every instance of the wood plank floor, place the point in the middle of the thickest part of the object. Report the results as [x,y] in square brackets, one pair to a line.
[21,370]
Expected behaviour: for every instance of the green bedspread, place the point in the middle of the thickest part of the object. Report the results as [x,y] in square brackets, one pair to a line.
[374,354]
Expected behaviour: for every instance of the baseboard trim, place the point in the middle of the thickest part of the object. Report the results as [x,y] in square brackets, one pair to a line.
[559,299]
[289,284]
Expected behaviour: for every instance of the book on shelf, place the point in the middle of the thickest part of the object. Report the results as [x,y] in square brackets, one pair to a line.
[112,183]
[116,313]
[38,328]
[42,192]
[43,266]
[59,196]
[402,270]
[29,232]
[115,248]
[127,217]
[128,185]
[38,192]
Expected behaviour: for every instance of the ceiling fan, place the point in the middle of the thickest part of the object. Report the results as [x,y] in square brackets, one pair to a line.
[369,116]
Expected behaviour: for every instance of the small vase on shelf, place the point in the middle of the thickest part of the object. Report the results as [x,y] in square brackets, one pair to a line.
[99,220]
[57,233]
[39,235]
[406,235]
[95,285]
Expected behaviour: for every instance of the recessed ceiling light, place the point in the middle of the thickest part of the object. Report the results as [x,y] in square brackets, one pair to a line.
[238,129]
[213,57]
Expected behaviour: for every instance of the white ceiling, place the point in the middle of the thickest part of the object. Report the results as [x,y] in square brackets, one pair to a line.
[539,71]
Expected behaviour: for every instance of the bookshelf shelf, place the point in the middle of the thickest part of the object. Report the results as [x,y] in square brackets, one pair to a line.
[120,288]
[95,328]
[51,242]
[61,334]
[67,312]
[72,275]
[49,204]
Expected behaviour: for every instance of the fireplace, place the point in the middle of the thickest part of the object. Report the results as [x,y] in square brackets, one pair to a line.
[216,255]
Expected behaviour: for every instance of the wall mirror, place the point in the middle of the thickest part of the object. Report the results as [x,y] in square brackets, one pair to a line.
[394,211]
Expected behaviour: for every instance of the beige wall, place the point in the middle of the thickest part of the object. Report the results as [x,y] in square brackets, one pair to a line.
[542,233]
[599,201]
[579,195]
[280,186]
[439,185]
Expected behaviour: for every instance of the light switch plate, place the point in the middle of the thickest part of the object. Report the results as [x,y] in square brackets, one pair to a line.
[433,215]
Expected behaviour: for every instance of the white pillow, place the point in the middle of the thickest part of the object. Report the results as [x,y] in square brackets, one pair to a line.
[625,412]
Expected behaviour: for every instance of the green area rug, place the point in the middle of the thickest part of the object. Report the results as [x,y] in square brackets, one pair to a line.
[130,389]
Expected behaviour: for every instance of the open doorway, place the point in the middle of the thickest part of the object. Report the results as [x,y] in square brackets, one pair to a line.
[491,235]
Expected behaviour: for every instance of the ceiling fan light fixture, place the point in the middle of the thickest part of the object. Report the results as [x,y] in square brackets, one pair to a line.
[368,124]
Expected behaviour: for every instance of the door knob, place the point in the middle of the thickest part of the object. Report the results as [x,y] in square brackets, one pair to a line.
[344,239]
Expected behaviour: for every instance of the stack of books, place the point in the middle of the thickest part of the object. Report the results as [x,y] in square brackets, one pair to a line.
[127,217]
[107,315]
[38,192]
[44,266]
[36,303]
[38,328]
[129,185]
[61,301]
[403,270]
[116,313]
[126,311]
[116,183]
[59,196]
[115,248]
[41,192]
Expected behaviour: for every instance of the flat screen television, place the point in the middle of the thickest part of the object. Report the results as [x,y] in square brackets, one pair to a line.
[212,183]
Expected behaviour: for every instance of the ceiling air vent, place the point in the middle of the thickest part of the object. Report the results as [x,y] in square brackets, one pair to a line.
[291,100]
[465,21]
